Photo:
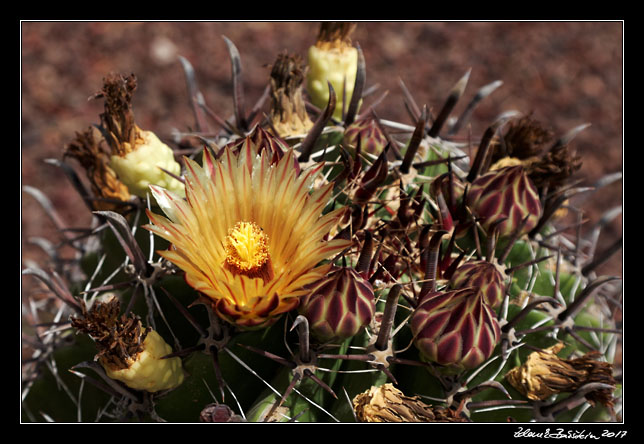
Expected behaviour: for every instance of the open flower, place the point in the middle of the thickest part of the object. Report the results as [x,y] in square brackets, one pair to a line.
[249,236]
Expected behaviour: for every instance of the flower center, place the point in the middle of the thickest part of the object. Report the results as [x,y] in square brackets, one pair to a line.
[247,251]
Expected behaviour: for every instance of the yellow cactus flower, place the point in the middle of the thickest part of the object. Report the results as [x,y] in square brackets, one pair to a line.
[335,60]
[249,236]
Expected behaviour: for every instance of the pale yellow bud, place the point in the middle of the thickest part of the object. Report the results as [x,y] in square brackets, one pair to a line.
[337,65]
[141,166]
[147,371]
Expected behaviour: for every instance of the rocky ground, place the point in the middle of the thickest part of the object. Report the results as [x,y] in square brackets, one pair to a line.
[565,73]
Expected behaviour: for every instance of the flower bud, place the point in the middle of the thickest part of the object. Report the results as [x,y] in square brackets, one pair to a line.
[147,370]
[365,132]
[144,164]
[507,194]
[332,59]
[455,328]
[339,305]
[488,278]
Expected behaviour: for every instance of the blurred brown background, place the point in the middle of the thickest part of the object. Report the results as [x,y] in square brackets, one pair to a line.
[566,73]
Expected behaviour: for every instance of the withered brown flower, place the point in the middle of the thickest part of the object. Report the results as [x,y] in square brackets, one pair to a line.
[106,187]
[288,112]
[526,143]
[545,374]
[388,404]
[118,339]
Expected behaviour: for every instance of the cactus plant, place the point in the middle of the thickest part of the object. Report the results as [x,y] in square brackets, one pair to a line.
[337,272]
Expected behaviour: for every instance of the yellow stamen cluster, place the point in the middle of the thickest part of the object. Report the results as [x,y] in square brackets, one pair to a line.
[247,251]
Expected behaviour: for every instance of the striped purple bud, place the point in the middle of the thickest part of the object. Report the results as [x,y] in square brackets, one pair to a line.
[260,139]
[487,278]
[338,306]
[506,193]
[368,133]
[455,328]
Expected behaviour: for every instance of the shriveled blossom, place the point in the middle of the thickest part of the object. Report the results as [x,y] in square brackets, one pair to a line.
[108,190]
[138,157]
[128,352]
[288,112]
[544,374]
[388,404]
[250,235]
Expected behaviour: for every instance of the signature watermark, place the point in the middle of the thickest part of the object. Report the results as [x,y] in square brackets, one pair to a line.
[561,433]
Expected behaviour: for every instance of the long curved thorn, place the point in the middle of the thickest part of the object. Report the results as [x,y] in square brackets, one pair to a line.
[314,133]
[62,293]
[221,382]
[481,387]
[121,230]
[193,94]
[528,264]
[47,205]
[480,95]
[388,317]
[287,392]
[454,95]
[366,254]
[432,252]
[358,87]
[238,90]
[186,313]
[414,142]
[570,135]
[75,181]
[527,309]
[492,238]
[482,154]
[410,103]
[303,334]
[269,355]
[574,307]
[309,374]
[601,258]
[513,238]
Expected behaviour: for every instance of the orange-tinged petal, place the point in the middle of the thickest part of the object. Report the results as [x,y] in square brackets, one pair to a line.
[236,192]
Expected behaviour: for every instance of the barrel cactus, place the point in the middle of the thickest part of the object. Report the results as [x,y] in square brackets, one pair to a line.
[321,264]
